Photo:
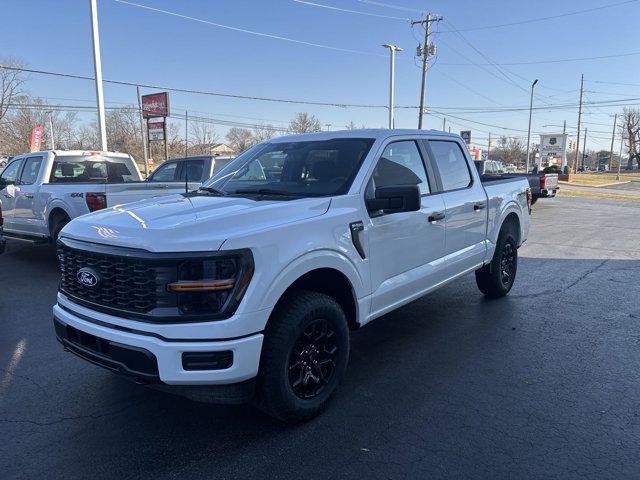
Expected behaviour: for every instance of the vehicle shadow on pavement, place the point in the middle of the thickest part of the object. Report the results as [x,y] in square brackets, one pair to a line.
[452,372]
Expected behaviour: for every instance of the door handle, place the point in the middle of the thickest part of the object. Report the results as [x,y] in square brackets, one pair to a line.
[436,216]
[479,206]
[28,196]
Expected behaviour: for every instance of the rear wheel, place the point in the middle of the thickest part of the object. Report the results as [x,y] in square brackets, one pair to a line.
[57,224]
[304,357]
[496,279]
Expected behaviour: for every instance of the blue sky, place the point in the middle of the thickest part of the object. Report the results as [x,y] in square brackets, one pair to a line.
[151,47]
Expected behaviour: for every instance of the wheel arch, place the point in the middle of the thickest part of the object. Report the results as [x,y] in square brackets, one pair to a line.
[325,272]
[56,213]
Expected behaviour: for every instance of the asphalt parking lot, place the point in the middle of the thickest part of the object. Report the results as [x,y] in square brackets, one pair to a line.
[542,384]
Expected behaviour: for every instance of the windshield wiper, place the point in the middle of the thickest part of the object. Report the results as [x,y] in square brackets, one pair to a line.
[213,190]
[267,191]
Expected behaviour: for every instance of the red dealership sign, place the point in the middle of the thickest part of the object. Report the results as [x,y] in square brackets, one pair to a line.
[155,105]
[36,138]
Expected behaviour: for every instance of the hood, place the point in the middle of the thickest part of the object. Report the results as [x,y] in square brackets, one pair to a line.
[176,223]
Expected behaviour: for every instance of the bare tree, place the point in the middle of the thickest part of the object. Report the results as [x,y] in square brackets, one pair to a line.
[203,137]
[304,123]
[509,150]
[631,131]
[27,113]
[264,132]
[11,82]
[240,139]
[351,125]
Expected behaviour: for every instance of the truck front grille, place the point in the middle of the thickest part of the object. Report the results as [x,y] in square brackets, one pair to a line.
[122,283]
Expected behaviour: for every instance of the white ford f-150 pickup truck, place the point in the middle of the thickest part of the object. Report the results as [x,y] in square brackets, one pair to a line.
[247,288]
[43,191]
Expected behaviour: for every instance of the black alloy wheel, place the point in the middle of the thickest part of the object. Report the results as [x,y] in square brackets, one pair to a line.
[507,263]
[312,361]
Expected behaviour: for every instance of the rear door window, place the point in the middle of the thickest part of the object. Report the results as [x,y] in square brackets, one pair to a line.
[452,164]
[192,170]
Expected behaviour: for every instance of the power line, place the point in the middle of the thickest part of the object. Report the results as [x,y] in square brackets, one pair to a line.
[199,92]
[391,5]
[556,60]
[346,10]
[549,17]
[244,30]
[497,67]
[614,83]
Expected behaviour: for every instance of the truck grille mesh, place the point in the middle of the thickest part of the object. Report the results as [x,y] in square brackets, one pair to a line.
[124,283]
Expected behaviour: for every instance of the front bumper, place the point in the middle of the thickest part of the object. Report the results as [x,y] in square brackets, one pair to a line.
[166,351]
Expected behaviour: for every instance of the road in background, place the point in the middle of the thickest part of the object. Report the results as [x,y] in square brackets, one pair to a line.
[544,383]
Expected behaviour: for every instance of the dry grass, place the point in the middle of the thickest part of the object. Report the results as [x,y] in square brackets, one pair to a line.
[600,179]
[583,193]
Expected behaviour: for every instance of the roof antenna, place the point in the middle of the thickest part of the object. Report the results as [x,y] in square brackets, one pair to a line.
[186,151]
[186,177]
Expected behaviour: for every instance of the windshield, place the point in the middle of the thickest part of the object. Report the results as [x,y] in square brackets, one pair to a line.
[298,169]
[91,169]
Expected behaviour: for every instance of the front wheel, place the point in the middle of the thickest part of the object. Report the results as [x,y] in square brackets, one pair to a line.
[304,357]
[496,279]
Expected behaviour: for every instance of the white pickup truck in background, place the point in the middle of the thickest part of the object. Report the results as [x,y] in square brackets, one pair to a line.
[42,191]
[248,288]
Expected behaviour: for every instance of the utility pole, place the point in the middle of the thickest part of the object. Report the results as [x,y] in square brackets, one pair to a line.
[52,142]
[584,148]
[426,51]
[613,136]
[575,167]
[529,131]
[97,66]
[328,125]
[392,67]
[444,124]
[564,127]
[144,136]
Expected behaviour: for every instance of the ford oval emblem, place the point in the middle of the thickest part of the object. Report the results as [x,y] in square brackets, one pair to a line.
[88,277]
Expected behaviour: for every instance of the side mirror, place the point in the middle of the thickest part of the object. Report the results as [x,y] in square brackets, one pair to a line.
[395,199]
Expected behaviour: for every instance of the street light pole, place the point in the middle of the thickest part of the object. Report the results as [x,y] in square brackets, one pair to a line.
[392,62]
[97,65]
[529,130]
[52,142]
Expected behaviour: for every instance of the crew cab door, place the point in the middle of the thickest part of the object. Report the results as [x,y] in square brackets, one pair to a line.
[28,211]
[465,203]
[405,247]
[165,180]
[8,180]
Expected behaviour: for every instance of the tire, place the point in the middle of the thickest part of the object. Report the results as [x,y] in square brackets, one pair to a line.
[496,279]
[56,227]
[298,373]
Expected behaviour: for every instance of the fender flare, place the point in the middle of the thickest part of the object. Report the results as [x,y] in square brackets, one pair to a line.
[56,203]
[309,261]
[510,207]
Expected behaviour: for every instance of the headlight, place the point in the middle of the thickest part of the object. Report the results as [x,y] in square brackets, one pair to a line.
[213,285]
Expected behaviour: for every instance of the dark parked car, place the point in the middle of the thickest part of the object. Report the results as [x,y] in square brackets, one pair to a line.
[196,169]
[543,184]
